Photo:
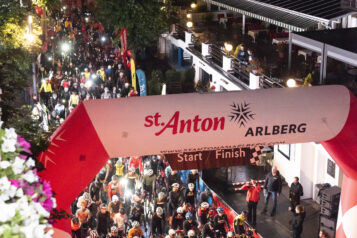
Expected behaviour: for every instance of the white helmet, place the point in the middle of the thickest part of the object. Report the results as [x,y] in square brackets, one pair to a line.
[172,232]
[191,185]
[136,224]
[159,211]
[150,172]
[191,233]
[115,198]
[175,185]
[161,195]
[179,210]
[229,234]
[204,205]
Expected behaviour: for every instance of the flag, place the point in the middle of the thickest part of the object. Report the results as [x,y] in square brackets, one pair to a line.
[123,42]
[142,82]
[133,75]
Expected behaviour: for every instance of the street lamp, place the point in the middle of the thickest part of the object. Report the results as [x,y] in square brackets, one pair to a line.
[189,24]
[193,5]
[228,47]
[189,15]
[291,83]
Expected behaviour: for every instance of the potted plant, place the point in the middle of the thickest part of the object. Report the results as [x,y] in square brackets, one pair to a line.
[281,48]
[254,66]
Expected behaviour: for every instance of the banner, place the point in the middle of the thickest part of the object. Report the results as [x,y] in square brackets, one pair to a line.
[133,74]
[224,157]
[123,43]
[142,82]
[123,40]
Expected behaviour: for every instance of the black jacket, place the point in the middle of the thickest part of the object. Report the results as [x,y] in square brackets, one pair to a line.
[103,222]
[298,221]
[273,183]
[296,191]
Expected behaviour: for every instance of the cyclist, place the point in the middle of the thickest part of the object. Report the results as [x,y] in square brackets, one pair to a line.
[114,187]
[157,222]
[175,198]
[238,224]
[113,232]
[149,182]
[173,178]
[120,219]
[203,213]
[190,224]
[220,220]
[190,195]
[177,219]
[160,201]
[114,206]
[193,177]
[135,230]
[137,213]
[208,230]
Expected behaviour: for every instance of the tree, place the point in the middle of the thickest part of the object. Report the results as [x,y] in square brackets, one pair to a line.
[144,20]
[16,51]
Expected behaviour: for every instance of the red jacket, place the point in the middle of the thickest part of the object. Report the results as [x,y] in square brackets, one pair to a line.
[137,163]
[253,192]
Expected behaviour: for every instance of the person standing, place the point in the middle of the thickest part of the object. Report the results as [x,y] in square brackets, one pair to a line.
[272,187]
[252,200]
[298,221]
[296,191]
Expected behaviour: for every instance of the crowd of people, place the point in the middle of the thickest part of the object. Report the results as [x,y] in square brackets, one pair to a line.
[78,62]
[143,197]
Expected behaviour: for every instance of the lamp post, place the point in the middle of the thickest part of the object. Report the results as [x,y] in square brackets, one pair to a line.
[291,83]
[189,24]
[228,47]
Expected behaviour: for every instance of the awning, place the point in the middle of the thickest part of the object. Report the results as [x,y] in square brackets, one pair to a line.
[299,15]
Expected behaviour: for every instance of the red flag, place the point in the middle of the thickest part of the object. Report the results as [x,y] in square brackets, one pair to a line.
[123,42]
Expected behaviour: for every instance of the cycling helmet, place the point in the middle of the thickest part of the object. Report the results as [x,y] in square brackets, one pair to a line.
[229,234]
[93,234]
[175,185]
[249,233]
[159,211]
[220,210]
[136,224]
[114,229]
[161,195]
[172,232]
[115,178]
[191,185]
[189,216]
[191,233]
[115,198]
[204,205]
[179,210]
[119,162]
[150,172]
[132,169]
[103,205]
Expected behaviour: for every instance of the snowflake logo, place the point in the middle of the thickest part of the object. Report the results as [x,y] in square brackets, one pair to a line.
[241,113]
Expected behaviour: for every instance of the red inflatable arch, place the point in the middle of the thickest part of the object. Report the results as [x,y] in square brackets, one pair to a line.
[101,129]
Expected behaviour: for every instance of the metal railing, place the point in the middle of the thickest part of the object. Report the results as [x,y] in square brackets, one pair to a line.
[217,54]
[239,70]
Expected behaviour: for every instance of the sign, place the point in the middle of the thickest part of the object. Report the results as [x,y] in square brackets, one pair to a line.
[133,74]
[224,157]
[331,168]
[142,82]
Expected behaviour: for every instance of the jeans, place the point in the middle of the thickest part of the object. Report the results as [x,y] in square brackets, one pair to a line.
[252,212]
[275,200]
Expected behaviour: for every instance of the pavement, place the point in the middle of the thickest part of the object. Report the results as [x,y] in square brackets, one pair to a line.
[268,227]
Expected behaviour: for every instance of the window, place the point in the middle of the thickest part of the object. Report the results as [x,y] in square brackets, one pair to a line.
[331,168]
[284,150]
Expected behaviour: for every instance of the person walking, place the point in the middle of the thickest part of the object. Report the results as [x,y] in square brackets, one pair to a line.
[298,220]
[296,191]
[254,190]
[272,187]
